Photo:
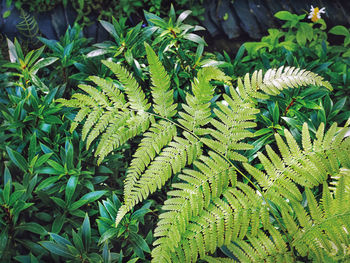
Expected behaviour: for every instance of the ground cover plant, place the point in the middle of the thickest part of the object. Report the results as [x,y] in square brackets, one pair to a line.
[147,148]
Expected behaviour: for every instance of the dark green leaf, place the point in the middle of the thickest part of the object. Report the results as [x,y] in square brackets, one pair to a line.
[58,167]
[42,159]
[60,240]
[78,243]
[139,244]
[45,149]
[106,254]
[58,223]
[77,204]
[51,44]
[110,233]
[57,249]
[17,159]
[109,28]
[32,227]
[276,114]
[93,196]
[70,188]
[58,201]
[32,147]
[86,232]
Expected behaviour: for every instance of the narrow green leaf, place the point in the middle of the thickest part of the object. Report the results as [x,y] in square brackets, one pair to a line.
[69,154]
[195,38]
[42,159]
[17,159]
[108,235]
[86,232]
[70,188]
[32,227]
[57,249]
[58,201]
[58,223]
[41,63]
[182,17]
[109,28]
[93,196]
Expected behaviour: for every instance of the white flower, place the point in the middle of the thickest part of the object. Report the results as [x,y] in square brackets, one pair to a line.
[315,13]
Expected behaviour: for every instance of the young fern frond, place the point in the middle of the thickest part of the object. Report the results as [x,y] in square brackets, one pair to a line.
[163,101]
[326,234]
[211,259]
[197,111]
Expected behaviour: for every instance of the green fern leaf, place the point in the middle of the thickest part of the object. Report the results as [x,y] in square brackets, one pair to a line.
[133,90]
[161,92]
[159,135]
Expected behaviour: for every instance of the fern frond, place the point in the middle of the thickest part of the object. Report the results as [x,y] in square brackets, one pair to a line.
[110,90]
[285,77]
[136,96]
[90,121]
[98,96]
[158,135]
[223,219]
[197,111]
[211,206]
[231,126]
[328,230]
[210,259]
[104,119]
[172,159]
[82,113]
[275,80]
[28,27]
[161,92]
[262,248]
[121,131]
[190,198]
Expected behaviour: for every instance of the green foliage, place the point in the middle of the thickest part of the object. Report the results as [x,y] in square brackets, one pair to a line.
[219,199]
[297,43]
[48,178]
[105,9]
[27,65]
[28,28]
[216,168]
[68,51]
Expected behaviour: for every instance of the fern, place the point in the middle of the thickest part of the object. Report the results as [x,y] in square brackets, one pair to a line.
[161,93]
[261,218]
[28,27]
